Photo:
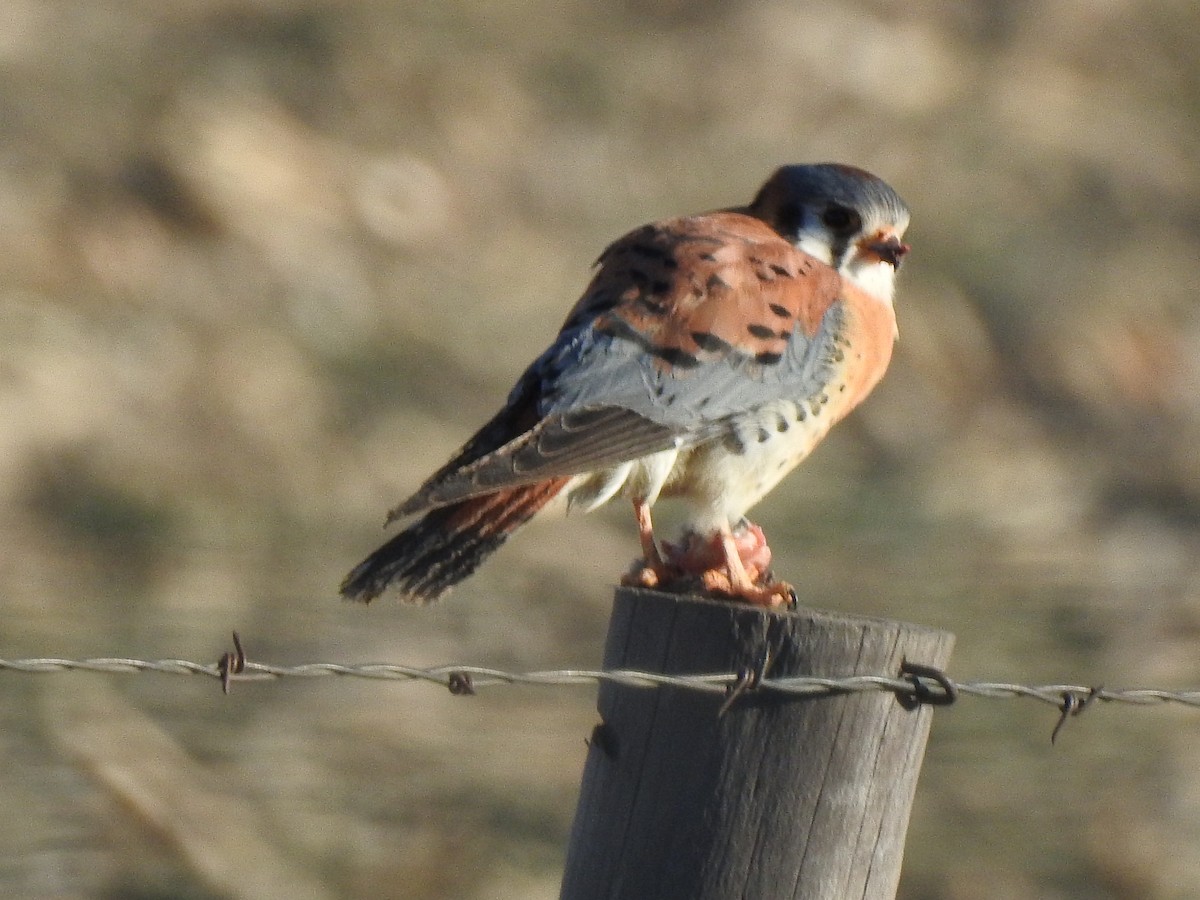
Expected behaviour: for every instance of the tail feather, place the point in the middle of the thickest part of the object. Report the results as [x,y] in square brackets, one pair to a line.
[447,544]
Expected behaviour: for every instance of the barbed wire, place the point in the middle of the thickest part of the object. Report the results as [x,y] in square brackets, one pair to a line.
[461,679]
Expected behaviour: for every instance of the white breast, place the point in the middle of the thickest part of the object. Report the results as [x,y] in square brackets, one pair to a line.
[720,480]
[724,479]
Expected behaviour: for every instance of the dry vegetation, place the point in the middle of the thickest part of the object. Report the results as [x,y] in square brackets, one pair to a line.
[263,263]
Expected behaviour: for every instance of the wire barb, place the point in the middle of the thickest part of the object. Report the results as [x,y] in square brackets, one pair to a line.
[460,684]
[921,694]
[1072,705]
[749,678]
[231,664]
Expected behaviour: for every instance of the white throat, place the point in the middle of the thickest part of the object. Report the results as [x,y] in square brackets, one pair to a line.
[874,276]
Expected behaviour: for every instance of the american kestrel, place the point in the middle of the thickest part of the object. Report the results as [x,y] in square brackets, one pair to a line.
[705,360]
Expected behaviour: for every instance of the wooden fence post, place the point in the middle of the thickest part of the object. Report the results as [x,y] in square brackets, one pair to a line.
[780,797]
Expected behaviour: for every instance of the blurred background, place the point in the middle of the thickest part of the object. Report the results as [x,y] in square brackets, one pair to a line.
[265,263]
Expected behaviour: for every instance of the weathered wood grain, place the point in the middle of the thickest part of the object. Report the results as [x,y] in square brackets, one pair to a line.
[780,797]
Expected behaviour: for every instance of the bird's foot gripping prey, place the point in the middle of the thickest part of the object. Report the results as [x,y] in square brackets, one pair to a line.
[705,360]
[733,562]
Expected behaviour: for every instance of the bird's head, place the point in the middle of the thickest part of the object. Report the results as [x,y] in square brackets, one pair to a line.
[841,215]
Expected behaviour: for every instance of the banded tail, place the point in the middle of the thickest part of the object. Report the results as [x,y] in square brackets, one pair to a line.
[447,544]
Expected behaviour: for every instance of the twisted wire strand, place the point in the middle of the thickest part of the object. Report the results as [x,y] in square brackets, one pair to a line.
[717,683]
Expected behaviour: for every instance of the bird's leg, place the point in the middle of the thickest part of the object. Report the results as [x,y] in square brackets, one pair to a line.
[738,579]
[700,553]
[733,577]
[641,511]
[652,572]
[725,562]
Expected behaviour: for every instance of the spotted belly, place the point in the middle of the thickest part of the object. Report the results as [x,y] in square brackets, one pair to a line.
[722,479]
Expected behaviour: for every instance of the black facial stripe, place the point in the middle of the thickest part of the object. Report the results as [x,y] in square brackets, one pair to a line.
[841,243]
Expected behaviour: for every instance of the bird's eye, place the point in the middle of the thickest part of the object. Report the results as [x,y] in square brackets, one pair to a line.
[841,220]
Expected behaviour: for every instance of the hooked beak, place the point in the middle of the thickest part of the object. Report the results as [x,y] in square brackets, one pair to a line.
[886,248]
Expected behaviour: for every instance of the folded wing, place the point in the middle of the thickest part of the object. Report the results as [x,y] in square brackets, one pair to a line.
[685,323]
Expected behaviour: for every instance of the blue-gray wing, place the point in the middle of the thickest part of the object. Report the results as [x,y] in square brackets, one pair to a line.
[686,324]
